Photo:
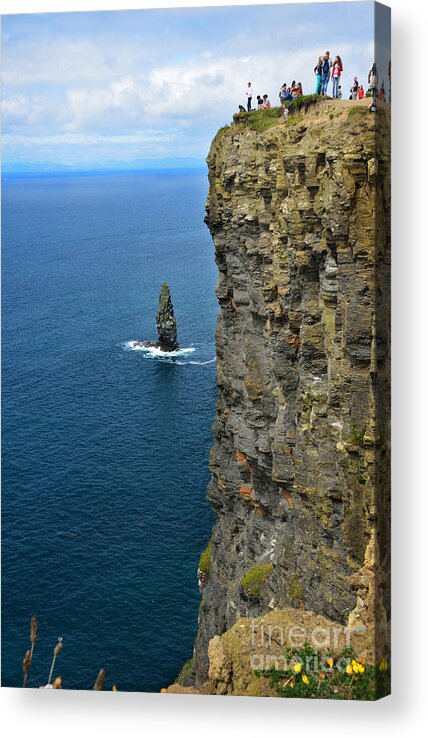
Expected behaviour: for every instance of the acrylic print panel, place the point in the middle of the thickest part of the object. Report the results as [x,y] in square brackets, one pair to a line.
[196,350]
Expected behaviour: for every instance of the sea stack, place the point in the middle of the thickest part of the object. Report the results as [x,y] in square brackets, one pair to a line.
[166,325]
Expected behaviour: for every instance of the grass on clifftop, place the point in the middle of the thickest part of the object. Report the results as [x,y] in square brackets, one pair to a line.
[261,120]
[253,579]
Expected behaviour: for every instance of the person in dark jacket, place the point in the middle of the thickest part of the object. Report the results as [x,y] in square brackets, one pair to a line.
[372,81]
[326,66]
[354,89]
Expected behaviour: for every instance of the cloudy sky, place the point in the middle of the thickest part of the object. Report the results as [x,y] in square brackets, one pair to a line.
[129,88]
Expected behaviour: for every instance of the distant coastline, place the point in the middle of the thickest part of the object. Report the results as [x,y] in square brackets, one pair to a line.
[159,167]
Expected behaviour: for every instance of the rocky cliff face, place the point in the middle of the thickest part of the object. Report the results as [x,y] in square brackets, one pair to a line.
[299,216]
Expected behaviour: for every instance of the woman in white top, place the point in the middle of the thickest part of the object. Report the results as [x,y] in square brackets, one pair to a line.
[249,93]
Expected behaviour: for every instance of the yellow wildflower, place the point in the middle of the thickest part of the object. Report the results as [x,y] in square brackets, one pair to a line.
[305,679]
[292,685]
[297,668]
[329,662]
[348,669]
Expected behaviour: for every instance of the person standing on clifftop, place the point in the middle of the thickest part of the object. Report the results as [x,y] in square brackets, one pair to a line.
[318,72]
[372,82]
[373,87]
[326,66]
[336,71]
[389,77]
[354,89]
[249,93]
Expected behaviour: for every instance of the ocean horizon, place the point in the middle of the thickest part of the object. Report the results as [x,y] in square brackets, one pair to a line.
[157,166]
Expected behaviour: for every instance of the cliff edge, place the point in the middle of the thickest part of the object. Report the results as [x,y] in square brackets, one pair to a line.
[299,215]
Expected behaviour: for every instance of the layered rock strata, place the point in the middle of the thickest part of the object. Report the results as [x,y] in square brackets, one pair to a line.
[299,215]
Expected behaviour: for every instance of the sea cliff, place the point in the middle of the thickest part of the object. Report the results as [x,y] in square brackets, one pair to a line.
[299,215]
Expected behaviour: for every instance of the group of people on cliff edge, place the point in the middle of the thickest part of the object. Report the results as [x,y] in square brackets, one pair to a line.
[374,90]
[325,69]
[290,93]
[286,93]
[263,102]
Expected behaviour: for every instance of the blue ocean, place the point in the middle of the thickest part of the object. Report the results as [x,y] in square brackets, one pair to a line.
[105,448]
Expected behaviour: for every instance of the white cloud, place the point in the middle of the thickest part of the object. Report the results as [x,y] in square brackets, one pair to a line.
[194,91]
[112,92]
[65,61]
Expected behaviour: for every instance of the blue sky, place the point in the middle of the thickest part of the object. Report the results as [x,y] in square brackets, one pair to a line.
[127,89]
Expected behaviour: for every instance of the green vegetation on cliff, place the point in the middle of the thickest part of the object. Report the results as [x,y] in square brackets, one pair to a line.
[205,560]
[253,579]
[185,672]
[308,673]
[261,120]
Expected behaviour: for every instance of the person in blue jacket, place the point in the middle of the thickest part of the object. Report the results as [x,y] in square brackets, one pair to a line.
[326,67]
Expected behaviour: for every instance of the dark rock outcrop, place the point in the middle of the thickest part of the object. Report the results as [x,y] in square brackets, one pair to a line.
[166,325]
[299,216]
